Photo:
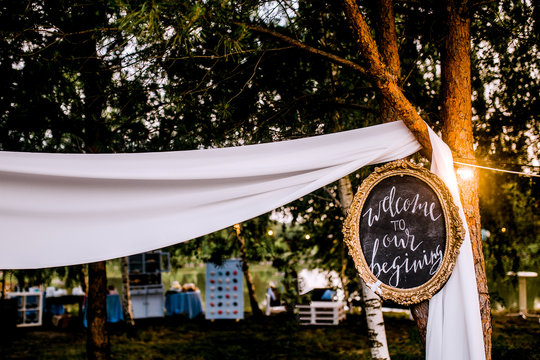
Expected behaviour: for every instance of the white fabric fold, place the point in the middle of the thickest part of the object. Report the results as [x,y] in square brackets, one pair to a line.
[64,209]
[454,329]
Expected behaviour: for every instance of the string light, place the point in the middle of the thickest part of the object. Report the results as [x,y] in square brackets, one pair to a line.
[270,232]
[495,169]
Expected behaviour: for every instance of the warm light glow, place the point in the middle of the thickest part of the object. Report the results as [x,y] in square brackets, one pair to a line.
[270,232]
[503,230]
[308,237]
[465,173]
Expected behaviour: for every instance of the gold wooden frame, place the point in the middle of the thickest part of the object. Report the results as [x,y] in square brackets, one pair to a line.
[454,233]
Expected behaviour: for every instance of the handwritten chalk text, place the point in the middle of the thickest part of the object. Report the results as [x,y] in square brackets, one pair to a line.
[395,206]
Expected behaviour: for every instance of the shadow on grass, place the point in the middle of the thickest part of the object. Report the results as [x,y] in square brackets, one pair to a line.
[276,337]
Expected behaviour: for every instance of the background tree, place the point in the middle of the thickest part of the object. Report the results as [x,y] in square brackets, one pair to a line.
[61,98]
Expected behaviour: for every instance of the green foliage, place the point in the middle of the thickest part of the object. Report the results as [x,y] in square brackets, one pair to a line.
[510,214]
[505,100]
[224,244]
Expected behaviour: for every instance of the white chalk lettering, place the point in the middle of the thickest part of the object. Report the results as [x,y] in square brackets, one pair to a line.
[400,242]
[395,206]
[401,265]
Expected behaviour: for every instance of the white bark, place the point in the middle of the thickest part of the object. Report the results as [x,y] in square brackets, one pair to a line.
[127,305]
[375,323]
[372,302]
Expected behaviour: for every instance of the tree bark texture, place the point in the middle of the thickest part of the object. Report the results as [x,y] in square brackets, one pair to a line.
[378,343]
[386,37]
[383,79]
[375,323]
[247,274]
[420,314]
[127,305]
[97,344]
[456,114]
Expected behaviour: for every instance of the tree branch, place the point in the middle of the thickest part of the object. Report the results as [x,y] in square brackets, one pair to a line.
[414,2]
[334,58]
[383,79]
[354,106]
[478,3]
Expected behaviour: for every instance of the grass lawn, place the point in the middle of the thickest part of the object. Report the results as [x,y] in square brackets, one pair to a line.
[277,337]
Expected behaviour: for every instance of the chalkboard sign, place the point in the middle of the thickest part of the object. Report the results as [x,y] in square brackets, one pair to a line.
[404,232]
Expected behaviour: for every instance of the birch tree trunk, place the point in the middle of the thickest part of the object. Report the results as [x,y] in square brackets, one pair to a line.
[372,302]
[127,305]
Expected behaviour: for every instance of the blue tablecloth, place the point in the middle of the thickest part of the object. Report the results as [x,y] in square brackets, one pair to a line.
[188,303]
[114,309]
[56,309]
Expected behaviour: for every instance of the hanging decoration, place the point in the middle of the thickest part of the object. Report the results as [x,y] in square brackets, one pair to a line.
[404,232]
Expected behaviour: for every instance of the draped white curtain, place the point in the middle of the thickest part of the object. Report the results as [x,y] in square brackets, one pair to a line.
[454,329]
[64,209]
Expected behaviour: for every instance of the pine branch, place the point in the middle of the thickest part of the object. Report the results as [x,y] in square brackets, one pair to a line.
[478,3]
[355,106]
[300,45]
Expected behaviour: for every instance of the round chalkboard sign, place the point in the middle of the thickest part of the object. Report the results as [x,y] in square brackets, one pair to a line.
[404,232]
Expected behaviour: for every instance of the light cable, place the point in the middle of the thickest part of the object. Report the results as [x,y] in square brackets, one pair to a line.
[495,169]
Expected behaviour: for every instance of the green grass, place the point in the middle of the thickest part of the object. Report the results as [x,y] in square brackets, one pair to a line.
[277,337]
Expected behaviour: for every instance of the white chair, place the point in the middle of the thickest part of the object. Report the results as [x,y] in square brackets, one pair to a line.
[321,313]
[273,309]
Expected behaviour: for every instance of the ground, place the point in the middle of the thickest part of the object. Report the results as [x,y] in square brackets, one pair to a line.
[277,337]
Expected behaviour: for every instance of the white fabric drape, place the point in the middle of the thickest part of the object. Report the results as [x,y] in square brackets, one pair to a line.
[64,209]
[454,329]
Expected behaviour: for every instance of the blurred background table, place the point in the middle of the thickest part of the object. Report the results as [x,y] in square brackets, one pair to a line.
[188,303]
[114,309]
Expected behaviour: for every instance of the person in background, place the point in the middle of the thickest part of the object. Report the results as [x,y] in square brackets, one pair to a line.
[112,290]
[273,294]
[188,287]
[328,295]
[175,286]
